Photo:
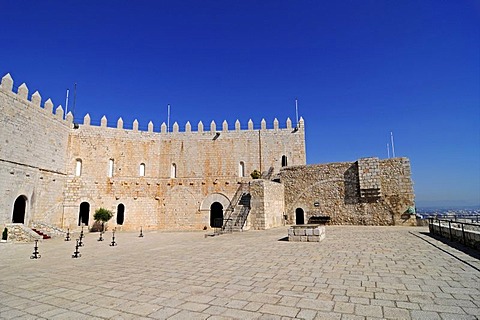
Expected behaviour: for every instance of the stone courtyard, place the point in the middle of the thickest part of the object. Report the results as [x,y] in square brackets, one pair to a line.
[355,273]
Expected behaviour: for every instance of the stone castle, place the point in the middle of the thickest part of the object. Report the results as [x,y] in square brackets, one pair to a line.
[55,172]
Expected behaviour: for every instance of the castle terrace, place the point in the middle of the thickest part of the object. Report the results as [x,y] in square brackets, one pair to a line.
[357,272]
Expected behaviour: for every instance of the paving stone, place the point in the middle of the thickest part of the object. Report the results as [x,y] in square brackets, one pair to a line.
[408,305]
[341,278]
[442,308]
[424,315]
[185,314]
[307,314]
[321,315]
[454,316]
[368,311]
[163,313]
[343,307]
[279,310]
[319,305]
[395,313]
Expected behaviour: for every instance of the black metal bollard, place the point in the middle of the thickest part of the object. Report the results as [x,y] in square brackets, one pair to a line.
[101,236]
[67,238]
[76,254]
[80,243]
[35,254]
[141,232]
[113,239]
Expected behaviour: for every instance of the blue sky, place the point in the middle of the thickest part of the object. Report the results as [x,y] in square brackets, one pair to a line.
[360,69]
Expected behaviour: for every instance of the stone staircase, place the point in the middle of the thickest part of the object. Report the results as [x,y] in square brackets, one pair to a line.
[238,210]
[18,232]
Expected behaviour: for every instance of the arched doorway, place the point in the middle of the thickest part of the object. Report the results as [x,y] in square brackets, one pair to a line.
[120,213]
[19,208]
[216,215]
[84,213]
[299,216]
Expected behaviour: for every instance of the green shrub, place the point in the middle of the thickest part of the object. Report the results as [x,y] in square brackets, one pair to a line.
[102,215]
[256,174]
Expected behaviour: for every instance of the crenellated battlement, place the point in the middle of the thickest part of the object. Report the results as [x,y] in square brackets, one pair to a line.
[48,106]
[35,100]
[87,122]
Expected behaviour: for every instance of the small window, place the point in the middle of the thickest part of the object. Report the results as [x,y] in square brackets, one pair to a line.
[142,169]
[284,161]
[241,169]
[173,172]
[120,214]
[110,168]
[78,167]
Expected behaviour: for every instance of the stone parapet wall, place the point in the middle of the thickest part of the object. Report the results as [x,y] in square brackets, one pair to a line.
[470,235]
[334,190]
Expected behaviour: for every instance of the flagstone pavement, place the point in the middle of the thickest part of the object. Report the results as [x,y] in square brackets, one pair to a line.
[355,273]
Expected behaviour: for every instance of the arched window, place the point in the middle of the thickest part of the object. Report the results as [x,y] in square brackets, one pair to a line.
[110,168]
[173,171]
[284,161]
[142,169]
[241,169]
[78,167]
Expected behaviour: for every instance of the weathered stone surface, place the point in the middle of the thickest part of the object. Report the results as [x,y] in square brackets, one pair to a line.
[164,179]
[334,190]
[41,152]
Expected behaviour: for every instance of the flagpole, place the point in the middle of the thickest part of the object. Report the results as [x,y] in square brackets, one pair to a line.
[393,146]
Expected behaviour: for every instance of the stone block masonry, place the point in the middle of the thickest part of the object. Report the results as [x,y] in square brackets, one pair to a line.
[157,180]
[58,173]
[306,233]
[335,190]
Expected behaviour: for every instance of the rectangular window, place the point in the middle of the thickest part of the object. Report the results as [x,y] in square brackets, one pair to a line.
[110,168]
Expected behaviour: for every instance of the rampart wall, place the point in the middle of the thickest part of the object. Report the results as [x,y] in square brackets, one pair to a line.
[33,153]
[179,169]
[56,165]
[380,193]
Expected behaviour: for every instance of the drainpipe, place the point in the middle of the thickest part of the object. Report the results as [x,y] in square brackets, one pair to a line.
[260,150]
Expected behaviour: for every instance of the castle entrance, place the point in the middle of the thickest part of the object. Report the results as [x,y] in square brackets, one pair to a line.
[84,213]
[299,216]
[19,210]
[120,213]
[216,215]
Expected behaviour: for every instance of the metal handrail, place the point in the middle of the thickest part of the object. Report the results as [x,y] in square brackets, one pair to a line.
[462,224]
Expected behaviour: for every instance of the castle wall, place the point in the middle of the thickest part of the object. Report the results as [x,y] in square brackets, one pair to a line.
[169,180]
[33,149]
[379,194]
[206,163]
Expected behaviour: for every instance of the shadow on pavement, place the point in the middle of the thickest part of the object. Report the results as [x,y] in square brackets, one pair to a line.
[456,245]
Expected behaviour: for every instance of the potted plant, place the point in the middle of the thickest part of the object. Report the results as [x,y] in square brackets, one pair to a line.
[102,215]
[256,174]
